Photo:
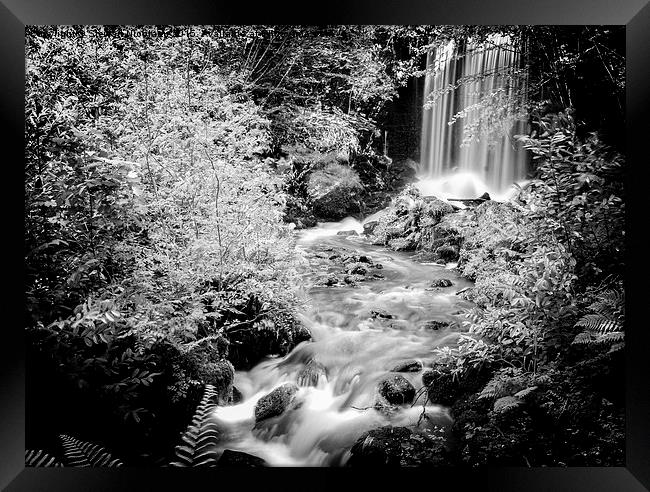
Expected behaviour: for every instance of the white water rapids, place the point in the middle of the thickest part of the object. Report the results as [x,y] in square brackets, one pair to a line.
[356,349]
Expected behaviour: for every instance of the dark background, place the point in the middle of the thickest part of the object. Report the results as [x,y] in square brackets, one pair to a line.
[14,14]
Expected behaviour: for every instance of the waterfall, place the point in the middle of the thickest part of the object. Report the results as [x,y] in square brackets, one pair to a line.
[474,86]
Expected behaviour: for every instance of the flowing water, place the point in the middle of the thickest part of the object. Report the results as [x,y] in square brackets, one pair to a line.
[356,349]
[478,83]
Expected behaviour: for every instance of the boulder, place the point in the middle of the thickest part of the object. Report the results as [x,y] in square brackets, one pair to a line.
[397,446]
[311,374]
[447,253]
[441,282]
[408,366]
[239,458]
[369,227]
[347,233]
[396,389]
[276,402]
[335,192]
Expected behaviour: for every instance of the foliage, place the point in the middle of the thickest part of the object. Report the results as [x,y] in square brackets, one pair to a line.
[76,453]
[201,436]
[578,194]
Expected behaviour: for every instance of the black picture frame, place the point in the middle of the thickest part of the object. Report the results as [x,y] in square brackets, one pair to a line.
[634,14]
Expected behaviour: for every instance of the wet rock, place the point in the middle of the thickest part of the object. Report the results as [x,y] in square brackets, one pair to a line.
[408,366]
[447,253]
[441,387]
[347,233]
[369,227]
[311,374]
[377,276]
[380,313]
[397,446]
[441,282]
[236,397]
[378,266]
[349,279]
[327,281]
[401,244]
[276,402]
[239,458]
[357,269]
[435,324]
[396,389]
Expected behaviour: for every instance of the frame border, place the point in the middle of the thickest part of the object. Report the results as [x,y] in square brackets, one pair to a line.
[635,14]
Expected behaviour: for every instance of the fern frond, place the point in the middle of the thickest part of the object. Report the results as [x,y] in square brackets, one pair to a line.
[39,458]
[583,338]
[85,454]
[202,435]
[613,337]
[506,403]
[525,392]
[598,323]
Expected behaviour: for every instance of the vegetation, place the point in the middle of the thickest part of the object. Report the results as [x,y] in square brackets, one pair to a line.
[166,168]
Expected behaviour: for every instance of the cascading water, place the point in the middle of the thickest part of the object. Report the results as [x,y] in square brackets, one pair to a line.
[354,349]
[473,85]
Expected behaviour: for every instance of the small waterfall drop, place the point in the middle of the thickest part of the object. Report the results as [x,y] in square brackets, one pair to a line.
[474,86]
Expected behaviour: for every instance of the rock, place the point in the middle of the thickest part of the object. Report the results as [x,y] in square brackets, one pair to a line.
[378,266]
[408,366]
[335,191]
[397,446]
[441,282]
[369,227]
[347,233]
[236,397]
[396,389]
[380,313]
[447,253]
[434,324]
[327,281]
[311,374]
[349,279]
[441,386]
[239,458]
[400,244]
[357,269]
[276,402]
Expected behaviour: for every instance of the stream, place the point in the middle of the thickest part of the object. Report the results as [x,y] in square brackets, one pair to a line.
[360,332]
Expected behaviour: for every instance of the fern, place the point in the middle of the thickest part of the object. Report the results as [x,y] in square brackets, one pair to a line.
[201,436]
[504,383]
[86,454]
[604,324]
[506,403]
[40,458]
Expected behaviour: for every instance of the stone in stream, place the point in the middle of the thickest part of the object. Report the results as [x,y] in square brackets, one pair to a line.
[441,282]
[369,227]
[396,389]
[408,366]
[435,324]
[380,313]
[236,397]
[347,233]
[276,402]
[239,458]
[311,374]
[357,269]
[378,266]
